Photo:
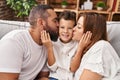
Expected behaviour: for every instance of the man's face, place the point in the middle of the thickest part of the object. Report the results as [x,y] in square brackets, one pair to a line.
[52,25]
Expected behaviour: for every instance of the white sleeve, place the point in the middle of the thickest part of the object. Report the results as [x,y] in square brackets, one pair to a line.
[11,55]
[95,62]
[53,67]
[45,68]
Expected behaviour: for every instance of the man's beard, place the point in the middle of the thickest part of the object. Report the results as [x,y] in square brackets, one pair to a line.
[53,34]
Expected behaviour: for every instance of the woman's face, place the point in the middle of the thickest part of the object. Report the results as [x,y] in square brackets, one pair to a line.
[78,29]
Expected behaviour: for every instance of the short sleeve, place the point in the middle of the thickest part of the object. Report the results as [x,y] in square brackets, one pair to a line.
[11,56]
[45,68]
[95,62]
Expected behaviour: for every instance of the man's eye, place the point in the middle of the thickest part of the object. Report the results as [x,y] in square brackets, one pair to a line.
[55,21]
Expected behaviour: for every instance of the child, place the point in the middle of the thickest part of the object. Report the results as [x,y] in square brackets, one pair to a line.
[62,60]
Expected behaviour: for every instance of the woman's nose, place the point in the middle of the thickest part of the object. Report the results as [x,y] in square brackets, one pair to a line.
[74,28]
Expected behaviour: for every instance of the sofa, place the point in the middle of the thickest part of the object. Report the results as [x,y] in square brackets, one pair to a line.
[113,30]
[7,26]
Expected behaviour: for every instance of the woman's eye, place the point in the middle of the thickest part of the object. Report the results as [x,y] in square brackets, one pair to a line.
[79,27]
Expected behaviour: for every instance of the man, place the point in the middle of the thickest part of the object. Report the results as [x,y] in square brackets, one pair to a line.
[22,55]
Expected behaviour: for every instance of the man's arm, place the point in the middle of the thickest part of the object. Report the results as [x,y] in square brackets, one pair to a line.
[89,75]
[9,76]
[42,75]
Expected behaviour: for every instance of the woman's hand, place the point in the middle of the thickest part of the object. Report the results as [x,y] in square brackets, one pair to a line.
[85,40]
[45,38]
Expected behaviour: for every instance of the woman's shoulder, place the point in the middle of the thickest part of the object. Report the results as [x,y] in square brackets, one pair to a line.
[101,44]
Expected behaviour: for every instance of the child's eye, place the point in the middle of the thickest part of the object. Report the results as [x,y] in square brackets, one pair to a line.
[62,27]
[70,28]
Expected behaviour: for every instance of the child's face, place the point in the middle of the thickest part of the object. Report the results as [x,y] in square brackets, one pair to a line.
[66,30]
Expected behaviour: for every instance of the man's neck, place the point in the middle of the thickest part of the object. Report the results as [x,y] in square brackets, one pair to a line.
[35,36]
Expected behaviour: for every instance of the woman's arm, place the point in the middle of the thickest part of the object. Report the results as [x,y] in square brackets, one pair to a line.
[85,40]
[89,75]
[45,37]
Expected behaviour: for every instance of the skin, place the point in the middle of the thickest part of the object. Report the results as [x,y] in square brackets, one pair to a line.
[35,32]
[66,30]
[65,35]
[78,32]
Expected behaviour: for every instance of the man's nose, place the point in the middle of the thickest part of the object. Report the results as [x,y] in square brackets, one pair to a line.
[57,24]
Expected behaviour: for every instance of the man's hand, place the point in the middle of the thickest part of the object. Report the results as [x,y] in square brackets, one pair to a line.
[42,76]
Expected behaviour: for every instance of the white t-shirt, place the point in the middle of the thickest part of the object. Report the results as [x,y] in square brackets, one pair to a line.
[20,54]
[102,59]
[63,54]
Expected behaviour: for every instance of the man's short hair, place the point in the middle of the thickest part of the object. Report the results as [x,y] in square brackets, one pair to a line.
[39,11]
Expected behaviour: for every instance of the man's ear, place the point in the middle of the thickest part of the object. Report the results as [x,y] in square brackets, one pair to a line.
[41,22]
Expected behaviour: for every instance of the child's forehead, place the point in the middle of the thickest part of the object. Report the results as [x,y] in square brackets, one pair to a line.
[62,19]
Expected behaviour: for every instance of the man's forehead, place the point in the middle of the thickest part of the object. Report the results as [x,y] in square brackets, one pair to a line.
[52,13]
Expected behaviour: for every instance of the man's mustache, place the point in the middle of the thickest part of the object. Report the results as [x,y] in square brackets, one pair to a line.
[53,35]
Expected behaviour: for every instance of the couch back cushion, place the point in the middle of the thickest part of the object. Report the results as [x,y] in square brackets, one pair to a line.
[7,26]
[113,29]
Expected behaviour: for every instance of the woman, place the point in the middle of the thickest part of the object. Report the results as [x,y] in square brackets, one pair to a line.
[99,60]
